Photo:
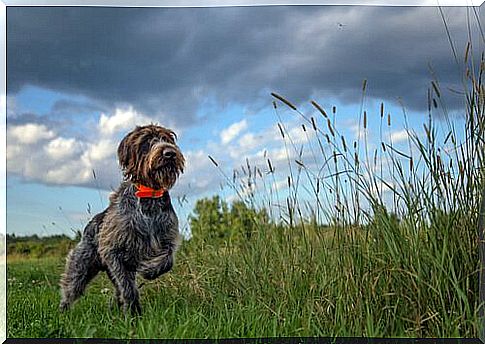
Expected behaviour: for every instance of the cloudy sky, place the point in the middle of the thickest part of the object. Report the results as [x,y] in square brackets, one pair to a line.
[78,79]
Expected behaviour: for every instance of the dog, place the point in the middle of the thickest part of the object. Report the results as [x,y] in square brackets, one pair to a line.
[138,232]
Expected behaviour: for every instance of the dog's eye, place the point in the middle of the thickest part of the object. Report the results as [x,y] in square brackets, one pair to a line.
[145,146]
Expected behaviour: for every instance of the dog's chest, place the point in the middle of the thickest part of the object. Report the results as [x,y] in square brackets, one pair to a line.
[152,223]
[158,229]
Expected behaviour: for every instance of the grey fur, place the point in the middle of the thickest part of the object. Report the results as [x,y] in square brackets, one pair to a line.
[133,235]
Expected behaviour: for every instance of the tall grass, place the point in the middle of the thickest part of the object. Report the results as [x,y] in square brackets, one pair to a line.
[372,240]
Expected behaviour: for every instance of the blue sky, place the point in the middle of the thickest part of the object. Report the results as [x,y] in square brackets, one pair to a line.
[80,78]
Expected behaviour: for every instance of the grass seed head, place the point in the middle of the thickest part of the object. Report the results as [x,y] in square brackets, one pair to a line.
[319,108]
[286,101]
[329,124]
[213,161]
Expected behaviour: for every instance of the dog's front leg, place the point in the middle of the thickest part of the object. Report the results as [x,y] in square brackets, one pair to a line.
[117,297]
[125,282]
[156,266]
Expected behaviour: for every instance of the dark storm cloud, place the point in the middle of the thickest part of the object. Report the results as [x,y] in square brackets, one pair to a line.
[65,124]
[171,60]
[67,106]
[28,117]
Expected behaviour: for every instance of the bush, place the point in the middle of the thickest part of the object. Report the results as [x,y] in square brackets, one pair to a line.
[215,222]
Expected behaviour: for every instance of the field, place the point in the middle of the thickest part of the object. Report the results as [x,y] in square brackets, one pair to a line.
[282,282]
[286,288]
[297,264]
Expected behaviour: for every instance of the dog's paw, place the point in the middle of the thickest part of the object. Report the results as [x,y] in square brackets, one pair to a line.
[136,310]
[133,308]
[63,306]
[156,267]
[149,275]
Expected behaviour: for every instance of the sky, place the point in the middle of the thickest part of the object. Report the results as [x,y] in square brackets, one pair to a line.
[80,78]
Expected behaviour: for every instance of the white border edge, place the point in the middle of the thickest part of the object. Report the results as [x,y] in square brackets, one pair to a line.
[3,173]
[230,3]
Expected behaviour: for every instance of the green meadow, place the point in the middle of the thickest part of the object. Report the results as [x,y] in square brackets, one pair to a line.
[386,280]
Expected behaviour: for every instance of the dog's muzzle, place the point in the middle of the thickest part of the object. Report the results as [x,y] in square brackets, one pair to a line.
[169,153]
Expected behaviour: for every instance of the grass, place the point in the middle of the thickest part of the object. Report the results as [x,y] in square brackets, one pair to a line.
[296,282]
[407,266]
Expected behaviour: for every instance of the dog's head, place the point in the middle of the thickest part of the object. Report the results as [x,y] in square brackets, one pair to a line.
[148,155]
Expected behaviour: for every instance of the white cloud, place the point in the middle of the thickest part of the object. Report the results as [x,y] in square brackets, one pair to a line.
[61,148]
[65,160]
[231,132]
[299,136]
[250,141]
[29,133]
[200,175]
[66,173]
[399,136]
[355,130]
[13,152]
[280,184]
[35,152]
[279,154]
[103,149]
[121,120]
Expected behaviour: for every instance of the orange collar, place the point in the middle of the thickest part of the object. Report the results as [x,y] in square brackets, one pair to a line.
[147,192]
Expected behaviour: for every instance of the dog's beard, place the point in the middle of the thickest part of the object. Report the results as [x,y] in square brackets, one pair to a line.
[160,173]
[167,176]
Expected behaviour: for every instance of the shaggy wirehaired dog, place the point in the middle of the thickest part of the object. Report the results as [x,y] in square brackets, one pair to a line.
[138,231]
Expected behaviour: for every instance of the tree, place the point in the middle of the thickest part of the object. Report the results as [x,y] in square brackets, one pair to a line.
[213,220]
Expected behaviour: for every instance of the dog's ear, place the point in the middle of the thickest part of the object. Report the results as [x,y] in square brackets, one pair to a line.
[182,164]
[125,152]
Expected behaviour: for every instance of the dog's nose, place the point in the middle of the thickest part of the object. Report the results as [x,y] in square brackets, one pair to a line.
[169,153]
